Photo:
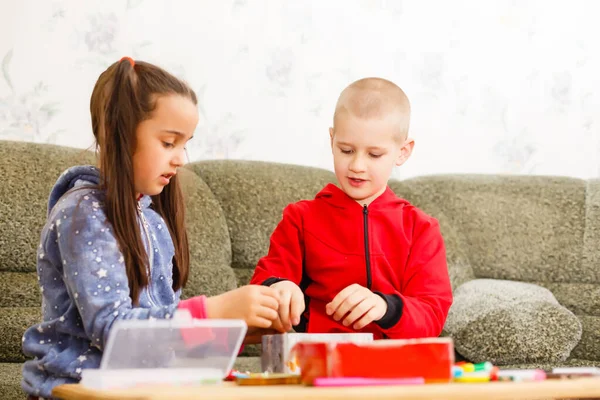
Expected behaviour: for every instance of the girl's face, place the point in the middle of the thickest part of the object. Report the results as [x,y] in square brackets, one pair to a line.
[161,142]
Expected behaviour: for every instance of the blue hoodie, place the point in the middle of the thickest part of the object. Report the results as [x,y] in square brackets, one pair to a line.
[84,285]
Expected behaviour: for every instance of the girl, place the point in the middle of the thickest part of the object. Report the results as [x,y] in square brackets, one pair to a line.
[115,245]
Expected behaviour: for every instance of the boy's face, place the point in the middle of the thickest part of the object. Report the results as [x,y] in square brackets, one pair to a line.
[364,154]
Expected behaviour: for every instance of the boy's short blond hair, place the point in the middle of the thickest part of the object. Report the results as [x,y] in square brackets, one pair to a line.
[375,98]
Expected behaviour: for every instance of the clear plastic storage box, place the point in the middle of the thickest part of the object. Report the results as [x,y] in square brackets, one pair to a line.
[179,351]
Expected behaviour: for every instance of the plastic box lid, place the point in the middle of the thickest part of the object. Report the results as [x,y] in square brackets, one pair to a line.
[180,351]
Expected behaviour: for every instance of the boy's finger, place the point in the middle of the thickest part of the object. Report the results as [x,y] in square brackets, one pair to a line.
[349,304]
[358,311]
[339,299]
[365,320]
[284,309]
[278,326]
[296,306]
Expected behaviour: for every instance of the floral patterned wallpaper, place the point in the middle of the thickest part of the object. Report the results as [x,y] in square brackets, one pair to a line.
[496,86]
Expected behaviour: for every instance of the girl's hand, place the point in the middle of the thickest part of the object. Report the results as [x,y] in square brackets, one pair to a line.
[255,304]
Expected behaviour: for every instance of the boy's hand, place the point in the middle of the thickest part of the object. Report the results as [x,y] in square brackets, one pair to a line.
[291,305]
[361,305]
[255,304]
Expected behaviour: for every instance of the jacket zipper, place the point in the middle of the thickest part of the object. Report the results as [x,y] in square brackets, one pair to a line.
[150,253]
[367,255]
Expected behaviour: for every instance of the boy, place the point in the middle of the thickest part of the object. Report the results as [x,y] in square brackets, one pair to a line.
[358,258]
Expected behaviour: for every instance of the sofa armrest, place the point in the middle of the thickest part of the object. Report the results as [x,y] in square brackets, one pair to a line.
[509,322]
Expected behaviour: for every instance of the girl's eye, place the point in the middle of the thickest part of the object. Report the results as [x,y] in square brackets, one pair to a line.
[375,155]
[168,145]
[346,151]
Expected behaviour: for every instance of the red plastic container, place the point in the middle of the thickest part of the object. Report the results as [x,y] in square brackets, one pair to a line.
[429,358]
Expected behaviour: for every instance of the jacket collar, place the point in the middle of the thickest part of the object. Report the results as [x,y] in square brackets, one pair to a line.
[338,198]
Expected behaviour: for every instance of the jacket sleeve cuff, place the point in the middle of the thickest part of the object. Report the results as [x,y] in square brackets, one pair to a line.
[395,306]
[270,281]
[196,306]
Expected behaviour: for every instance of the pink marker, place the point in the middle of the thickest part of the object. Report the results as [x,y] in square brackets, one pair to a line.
[349,381]
[521,375]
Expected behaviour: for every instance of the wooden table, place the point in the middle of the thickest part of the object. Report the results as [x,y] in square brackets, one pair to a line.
[550,389]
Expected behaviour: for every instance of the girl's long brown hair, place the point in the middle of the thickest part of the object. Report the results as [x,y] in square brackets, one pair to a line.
[125,95]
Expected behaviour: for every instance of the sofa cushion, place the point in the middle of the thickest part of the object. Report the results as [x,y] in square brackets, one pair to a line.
[247,364]
[10,381]
[243,275]
[251,350]
[589,345]
[13,323]
[571,362]
[508,322]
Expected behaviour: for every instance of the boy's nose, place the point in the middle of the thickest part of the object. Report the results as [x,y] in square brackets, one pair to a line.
[357,165]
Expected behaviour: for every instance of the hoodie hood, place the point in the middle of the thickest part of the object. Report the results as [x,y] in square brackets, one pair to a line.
[81,175]
[338,198]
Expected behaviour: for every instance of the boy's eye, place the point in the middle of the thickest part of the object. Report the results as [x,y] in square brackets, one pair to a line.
[375,155]
[168,145]
[346,151]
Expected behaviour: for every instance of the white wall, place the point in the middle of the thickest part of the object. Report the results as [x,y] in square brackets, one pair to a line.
[496,86]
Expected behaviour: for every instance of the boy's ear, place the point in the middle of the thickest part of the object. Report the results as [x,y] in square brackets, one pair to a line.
[405,151]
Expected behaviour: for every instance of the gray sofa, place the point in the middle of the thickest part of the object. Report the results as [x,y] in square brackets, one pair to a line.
[523,252]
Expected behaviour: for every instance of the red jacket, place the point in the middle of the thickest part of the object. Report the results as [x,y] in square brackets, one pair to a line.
[391,247]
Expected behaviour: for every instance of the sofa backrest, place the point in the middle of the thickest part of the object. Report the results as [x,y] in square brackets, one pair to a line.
[506,227]
[528,228]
